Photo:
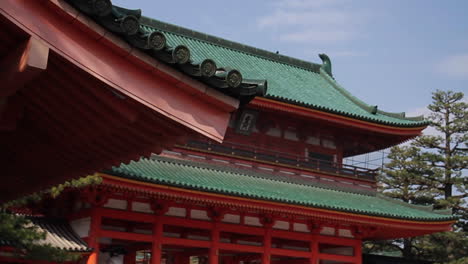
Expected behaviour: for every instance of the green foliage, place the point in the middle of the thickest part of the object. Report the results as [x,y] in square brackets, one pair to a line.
[430,171]
[447,152]
[25,237]
[54,191]
[407,177]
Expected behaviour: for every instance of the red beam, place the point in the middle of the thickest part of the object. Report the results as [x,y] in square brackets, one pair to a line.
[186,222]
[291,235]
[290,253]
[241,248]
[186,242]
[127,215]
[125,236]
[22,65]
[239,229]
[348,259]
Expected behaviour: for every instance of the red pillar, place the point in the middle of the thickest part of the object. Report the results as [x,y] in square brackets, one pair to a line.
[213,257]
[93,240]
[156,249]
[266,257]
[358,252]
[314,248]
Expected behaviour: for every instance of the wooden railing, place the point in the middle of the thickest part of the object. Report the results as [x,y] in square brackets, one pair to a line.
[271,156]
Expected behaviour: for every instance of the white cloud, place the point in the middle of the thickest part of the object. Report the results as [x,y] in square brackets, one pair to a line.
[454,66]
[347,53]
[305,3]
[318,37]
[303,18]
[313,21]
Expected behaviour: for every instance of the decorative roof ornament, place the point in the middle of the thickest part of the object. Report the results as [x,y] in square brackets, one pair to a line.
[127,24]
[326,64]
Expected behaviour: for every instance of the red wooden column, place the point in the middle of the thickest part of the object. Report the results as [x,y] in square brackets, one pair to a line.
[314,242]
[216,215]
[358,252]
[267,223]
[93,240]
[314,248]
[156,250]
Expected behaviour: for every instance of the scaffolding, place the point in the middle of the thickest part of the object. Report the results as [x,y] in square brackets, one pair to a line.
[372,160]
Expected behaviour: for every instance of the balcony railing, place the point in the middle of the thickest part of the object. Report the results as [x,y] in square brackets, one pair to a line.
[281,158]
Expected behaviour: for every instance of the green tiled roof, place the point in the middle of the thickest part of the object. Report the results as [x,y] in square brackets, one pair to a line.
[126,24]
[291,80]
[244,183]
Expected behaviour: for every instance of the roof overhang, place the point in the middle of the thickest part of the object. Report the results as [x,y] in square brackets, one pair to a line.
[363,136]
[70,86]
[335,118]
[381,227]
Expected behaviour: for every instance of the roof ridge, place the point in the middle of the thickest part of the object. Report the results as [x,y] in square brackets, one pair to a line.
[222,42]
[364,105]
[263,175]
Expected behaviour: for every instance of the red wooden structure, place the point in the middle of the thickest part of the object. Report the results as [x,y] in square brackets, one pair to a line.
[265,184]
[76,99]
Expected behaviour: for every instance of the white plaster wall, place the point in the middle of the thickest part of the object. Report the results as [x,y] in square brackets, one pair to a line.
[141,207]
[231,218]
[199,214]
[345,233]
[116,204]
[81,226]
[176,211]
[328,231]
[313,140]
[252,221]
[300,227]
[281,225]
[291,135]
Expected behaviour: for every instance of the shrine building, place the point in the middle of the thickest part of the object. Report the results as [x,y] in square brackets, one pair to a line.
[269,187]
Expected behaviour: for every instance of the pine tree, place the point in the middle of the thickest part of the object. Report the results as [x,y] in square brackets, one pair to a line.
[446,153]
[430,170]
[404,178]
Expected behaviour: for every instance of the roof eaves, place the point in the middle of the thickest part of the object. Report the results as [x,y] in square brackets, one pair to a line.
[348,114]
[419,120]
[126,173]
[127,24]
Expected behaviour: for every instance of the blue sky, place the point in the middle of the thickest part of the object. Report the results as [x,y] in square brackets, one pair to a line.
[389,53]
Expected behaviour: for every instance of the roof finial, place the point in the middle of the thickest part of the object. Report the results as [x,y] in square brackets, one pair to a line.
[326,64]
